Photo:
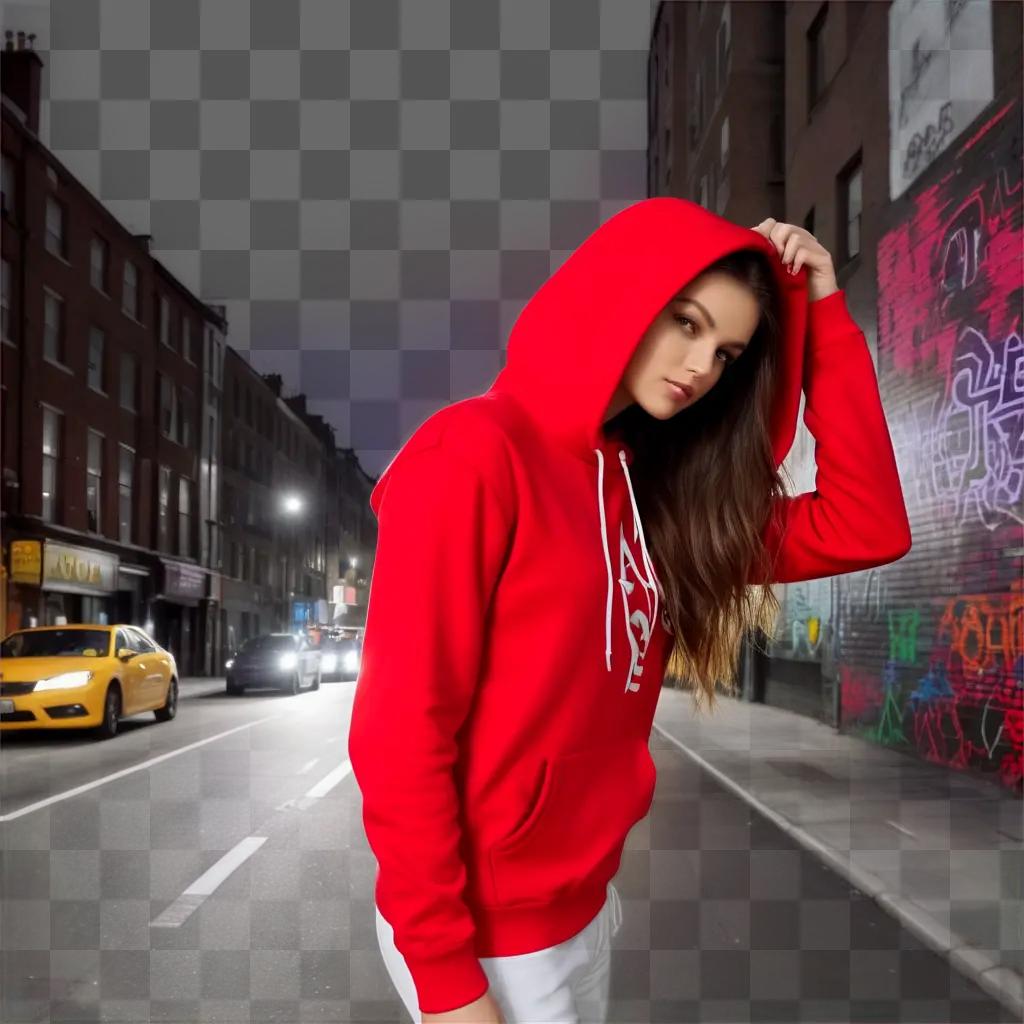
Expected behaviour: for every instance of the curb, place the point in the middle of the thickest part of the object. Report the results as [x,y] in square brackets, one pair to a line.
[998,980]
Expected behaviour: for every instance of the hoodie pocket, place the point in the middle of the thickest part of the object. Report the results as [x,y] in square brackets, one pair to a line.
[574,834]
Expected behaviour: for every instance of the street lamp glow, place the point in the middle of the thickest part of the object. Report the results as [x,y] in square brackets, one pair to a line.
[291,503]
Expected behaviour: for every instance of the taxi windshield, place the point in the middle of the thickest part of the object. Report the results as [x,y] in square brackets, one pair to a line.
[56,643]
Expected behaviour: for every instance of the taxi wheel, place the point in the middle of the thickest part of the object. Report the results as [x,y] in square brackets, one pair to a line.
[296,686]
[319,676]
[107,729]
[170,708]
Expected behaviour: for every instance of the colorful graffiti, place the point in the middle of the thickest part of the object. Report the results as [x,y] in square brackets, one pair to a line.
[932,647]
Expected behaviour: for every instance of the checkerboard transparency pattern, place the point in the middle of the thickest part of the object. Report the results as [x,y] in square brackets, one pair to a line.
[373,188]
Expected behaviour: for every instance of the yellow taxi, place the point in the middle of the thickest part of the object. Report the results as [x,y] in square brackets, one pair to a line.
[83,677]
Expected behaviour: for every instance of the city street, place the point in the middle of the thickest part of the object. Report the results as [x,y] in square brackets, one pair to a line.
[215,868]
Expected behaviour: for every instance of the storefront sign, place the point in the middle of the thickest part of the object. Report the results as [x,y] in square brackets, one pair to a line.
[26,561]
[78,570]
[181,579]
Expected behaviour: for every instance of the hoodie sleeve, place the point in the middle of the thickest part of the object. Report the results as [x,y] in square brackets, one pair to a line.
[442,537]
[855,518]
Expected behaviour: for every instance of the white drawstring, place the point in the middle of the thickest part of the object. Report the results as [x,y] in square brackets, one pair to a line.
[607,562]
[648,564]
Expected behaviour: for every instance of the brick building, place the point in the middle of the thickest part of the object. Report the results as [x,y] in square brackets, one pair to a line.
[892,132]
[109,369]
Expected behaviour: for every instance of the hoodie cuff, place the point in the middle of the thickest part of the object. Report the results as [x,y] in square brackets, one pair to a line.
[448,981]
[825,315]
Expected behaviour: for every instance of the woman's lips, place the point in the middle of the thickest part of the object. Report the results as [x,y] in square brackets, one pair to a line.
[680,392]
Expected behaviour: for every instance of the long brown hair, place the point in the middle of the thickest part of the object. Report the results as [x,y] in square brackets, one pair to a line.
[705,483]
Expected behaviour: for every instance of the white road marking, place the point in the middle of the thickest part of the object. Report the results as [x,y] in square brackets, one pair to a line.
[329,781]
[85,787]
[184,906]
[900,828]
[317,791]
[308,765]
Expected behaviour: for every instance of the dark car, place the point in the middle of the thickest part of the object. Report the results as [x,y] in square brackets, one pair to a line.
[281,660]
[341,655]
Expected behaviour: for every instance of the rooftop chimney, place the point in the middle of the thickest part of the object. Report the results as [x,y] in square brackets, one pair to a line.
[20,75]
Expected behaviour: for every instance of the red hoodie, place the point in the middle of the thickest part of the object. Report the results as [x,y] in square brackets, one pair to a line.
[501,719]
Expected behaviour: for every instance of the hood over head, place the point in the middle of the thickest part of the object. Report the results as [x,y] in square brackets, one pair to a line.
[573,340]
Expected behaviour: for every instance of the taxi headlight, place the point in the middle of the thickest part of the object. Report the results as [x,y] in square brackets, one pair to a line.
[65,681]
[329,662]
[288,661]
[352,659]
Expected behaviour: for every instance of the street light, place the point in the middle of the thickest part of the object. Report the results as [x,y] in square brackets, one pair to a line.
[291,505]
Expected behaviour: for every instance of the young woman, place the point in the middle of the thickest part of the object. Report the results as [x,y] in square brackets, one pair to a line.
[613,500]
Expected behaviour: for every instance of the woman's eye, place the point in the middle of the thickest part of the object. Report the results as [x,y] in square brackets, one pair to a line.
[680,319]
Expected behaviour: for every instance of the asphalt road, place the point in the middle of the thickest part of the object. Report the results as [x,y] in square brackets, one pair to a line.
[215,868]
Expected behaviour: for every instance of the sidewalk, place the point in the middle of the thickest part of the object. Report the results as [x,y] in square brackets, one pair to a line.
[938,849]
[196,686]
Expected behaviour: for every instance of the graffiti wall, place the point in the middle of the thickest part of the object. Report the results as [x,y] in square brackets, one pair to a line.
[932,646]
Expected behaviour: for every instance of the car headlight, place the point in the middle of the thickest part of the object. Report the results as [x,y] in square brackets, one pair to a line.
[329,662]
[229,662]
[352,660]
[65,681]
[287,661]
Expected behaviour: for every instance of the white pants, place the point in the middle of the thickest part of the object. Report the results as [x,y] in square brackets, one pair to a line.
[563,984]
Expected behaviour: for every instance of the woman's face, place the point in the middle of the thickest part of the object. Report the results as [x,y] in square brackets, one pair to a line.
[691,341]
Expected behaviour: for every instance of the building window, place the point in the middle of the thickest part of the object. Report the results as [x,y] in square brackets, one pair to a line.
[852,206]
[186,337]
[816,58]
[129,382]
[723,50]
[8,180]
[214,360]
[53,327]
[164,498]
[130,291]
[184,517]
[165,321]
[185,407]
[96,376]
[125,488]
[6,293]
[168,408]
[98,260]
[94,481]
[55,226]
[51,463]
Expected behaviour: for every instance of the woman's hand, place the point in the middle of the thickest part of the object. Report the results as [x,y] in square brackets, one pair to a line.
[484,1010]
[799,248]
